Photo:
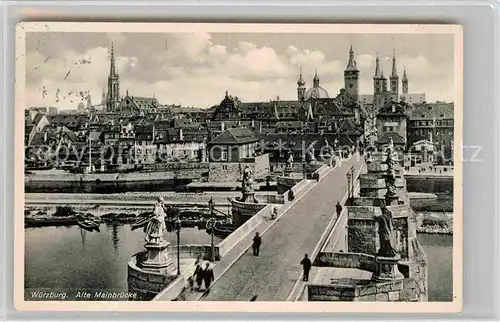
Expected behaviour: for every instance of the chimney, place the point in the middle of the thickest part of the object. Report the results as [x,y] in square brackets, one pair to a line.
[44,136]
[181,135]
[222,126]
[393,108]
[253,123]
[278,98]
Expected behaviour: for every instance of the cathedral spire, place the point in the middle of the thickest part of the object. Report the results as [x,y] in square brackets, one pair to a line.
[112,70]
[377,69]
[394,73]
[405,82]
[113,93]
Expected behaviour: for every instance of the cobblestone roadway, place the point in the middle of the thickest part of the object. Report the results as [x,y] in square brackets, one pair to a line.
[272,275]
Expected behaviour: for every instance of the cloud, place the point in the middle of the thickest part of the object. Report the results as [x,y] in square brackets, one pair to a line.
[195,69]
[365,60]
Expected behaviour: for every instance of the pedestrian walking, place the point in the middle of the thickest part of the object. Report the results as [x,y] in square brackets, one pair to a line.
[306,266]
[208,276]
[257,241]
[198,274]
[338,208]
[191,283]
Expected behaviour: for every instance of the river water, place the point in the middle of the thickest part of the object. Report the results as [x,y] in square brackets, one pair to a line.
[69,259]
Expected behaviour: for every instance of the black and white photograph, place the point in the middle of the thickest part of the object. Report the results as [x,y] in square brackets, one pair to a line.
[193,163]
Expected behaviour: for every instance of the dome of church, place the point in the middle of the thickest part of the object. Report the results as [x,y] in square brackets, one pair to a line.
[316,92]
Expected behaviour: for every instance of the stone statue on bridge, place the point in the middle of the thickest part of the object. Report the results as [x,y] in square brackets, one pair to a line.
[154,224]
[386,233]
[390,177]
[289,161]
[247,185]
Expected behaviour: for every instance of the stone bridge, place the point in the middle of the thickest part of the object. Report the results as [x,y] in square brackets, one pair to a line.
[342,248]
[302,225]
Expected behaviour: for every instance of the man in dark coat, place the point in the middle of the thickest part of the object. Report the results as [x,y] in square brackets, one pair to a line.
[257,241]
[338,208]
[208,276]
[306,266]
[198,274]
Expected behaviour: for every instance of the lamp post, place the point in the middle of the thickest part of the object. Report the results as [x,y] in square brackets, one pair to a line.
[178,225]
[212,222]
[352,182]
[348,175]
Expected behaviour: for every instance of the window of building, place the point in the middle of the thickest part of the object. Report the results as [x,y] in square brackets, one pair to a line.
[224,167]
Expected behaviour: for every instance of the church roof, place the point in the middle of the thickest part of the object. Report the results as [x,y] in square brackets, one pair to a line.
[141,103]
[235,136]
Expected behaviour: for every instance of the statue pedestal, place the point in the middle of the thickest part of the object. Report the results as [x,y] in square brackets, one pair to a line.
[287,172]
[248,197]
[157,257]
[386,269]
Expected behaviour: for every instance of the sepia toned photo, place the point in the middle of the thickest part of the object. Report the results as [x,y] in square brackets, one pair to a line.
[185,167]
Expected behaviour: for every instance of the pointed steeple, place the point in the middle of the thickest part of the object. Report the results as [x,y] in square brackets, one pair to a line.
[316,79]
[112,69]
[113,94]
[405,82]
[394,73]
[301,81]
[377,69]
[351,65]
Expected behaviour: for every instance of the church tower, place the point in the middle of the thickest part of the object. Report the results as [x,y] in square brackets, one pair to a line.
[405,83]
[394,79]
[351,76]
[379,86]
[301,88]
[377,78]
[113,97]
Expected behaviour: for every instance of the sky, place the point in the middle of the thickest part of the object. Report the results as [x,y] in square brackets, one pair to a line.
[195,69]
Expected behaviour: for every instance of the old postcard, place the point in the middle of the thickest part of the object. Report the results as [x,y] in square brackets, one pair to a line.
[203,167]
